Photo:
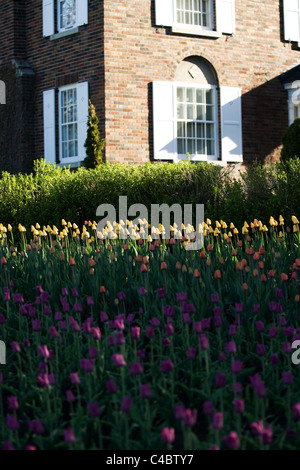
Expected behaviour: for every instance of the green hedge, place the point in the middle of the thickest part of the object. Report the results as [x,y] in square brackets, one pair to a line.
[50,194]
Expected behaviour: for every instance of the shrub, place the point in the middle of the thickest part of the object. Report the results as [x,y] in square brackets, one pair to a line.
[291,141]
[93,144]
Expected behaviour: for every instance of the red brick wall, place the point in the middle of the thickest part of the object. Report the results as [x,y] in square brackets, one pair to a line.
[137,53]
[121,52]
[76,57]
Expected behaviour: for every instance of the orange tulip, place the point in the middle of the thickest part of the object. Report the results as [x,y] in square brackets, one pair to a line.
[272,272]
[263,278]
[91,262]
[163,266]
[255,272]
[284,277]
[245,286]
[178,265]
[209,247]
[218,274]
[294,275]
[261,265]
[196,273]
[202,254]
[3,260]
[102,290]
[144,268]
[72,261]
[184,268]
[256,256]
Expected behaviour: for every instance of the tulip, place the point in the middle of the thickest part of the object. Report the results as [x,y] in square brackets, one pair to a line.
[217,421]
[232,440]
[168,435]
[126,404]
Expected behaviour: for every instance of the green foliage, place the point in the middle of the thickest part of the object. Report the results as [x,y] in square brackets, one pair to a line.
[50,194]
[94,146]
[291,141]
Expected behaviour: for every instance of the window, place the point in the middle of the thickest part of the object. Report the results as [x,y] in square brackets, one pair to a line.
[195,121]
[66,14]
[194,12]
[68,125]
[185,120]
[70,15]
[293,100]
[71,103]
[200,17]
[291,15]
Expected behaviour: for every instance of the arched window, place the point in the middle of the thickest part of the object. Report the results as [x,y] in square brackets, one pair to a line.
[186,115]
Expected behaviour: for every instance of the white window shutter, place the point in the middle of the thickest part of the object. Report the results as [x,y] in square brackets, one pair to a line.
[49,126]
[82,116]
[165,144]
[164,12]
[48,17]
[82,12]
[225,16]
[291,16]
[231,124]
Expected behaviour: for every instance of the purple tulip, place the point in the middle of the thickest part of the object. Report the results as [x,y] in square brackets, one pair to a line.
[204,345]
[69,436]
[232,330]
[296,411]
[239,307]
[93,353]
[150,332]
[208,408]
[236,367]
[168,435]
[214,298]
[7,445]
[220,380]
[15,347]
[274,359]
[169,329]
[287,378]
[36,426]
[135,332]
[287,347]
[44,352]
[126,404]
[260,350]
[181,296]
[74,378]
[217,421]
[239,405]
[103,317]
[78,307]
[169,311]
[256,308]
[13,403]
[154,322]
[259,326]
[70,396]
[118,360]
[272,331]
[12,422]
[87,365]
[232,440]
[136,368]
[90,301]
[190,418]
[186,318]
[161,293]
[94,410]
[237,387]
[197,327]
[231,347]
[146,391]
[74,292]
[257,428]
[166,366]
[122,296]
[205,323]
[111,387]
[36,325]
[96,333]
[191,354]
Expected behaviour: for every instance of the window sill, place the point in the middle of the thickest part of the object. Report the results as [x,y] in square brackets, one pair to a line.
[62,34]
[70,164]
[196,31]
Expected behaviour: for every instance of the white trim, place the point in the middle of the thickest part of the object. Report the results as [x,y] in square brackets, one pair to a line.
[59,29]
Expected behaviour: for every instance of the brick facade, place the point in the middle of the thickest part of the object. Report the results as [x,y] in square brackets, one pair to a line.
[121,51]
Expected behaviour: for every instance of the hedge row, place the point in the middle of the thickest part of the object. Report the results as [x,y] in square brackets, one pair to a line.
[49,193]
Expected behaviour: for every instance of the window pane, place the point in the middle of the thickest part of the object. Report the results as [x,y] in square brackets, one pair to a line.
[190,111]
[200,96]
[180,111]
[201,147]
[71,135]
[210,147]
[180,129]
[209,97]
[64,133]
[72,149]
[180,94]
[64,150]
[70,114]
[200,113]
[200,131]
[191,146]
[180,146]
[190,129]
[189,95]
[210,131]
[209,113]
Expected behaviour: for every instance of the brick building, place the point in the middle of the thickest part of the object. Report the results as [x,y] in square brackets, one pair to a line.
[216,79]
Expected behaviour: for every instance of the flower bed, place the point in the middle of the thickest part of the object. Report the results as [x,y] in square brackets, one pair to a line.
[143,344]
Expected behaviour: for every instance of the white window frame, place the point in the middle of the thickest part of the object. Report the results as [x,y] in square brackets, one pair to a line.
[187,26]
[195,156]
[293,90]
[61,158]
[59,29]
